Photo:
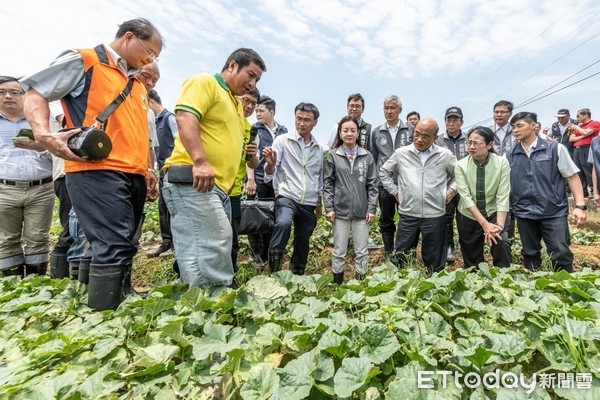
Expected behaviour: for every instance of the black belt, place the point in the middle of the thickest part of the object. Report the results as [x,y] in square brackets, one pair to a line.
[582,147]
[26,184]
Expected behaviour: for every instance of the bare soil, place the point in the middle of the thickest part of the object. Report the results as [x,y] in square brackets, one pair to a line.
[146,268]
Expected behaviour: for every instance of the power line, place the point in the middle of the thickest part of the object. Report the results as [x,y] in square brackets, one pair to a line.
[538,97]
[522,49]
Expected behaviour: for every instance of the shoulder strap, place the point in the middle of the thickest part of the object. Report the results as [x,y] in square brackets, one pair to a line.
[115,103]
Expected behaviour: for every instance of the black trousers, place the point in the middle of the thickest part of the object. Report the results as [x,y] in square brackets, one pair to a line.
[260,243]
[387,206]
[64,206]
[236,217]
[109,205]
[451,213]
[433,246]
[288,213]
[556,236]
[580,157]
[471,239]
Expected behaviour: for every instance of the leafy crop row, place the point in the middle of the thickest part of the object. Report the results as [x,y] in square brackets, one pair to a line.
[294,337]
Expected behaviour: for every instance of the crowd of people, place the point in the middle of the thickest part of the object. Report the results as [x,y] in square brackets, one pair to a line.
[486,180]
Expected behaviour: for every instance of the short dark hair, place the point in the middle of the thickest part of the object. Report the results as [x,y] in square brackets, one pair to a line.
[413,113]
[244,57]
[254,92]
[486,133]
[140,27]
[6,78]
[268,102]
[153,95]
[356,97]
[308,107]
[585,111]
[338,140]
[506,103]
[524,115]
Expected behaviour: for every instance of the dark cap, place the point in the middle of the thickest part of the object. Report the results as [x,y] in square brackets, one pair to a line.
[454,111]
[563,112]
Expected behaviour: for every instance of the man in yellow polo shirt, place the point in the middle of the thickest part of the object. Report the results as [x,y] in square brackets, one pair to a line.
[201,170]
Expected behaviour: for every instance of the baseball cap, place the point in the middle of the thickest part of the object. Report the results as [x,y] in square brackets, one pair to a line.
[454,111]
[563,112]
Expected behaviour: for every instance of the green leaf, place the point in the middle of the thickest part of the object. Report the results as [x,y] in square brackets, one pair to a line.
[351,376]
[480,357]
[296,378]
[380,343]
[217,338]
[262,383]
[266,287]
[467,327]
[156,354]
[105,345]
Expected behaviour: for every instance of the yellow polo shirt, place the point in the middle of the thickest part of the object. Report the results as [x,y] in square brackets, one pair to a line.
[222,124]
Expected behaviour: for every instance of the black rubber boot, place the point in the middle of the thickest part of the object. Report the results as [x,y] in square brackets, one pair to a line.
[388,242]
[59,267]
[105,289]
[74,270]
[18,270]
[84,270]
[275,260]
[297,269]
[338,278]
[36,269]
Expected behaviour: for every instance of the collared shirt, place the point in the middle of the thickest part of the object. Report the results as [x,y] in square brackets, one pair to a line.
[350,153]
[501,131]
[65,75]
[423,155]
[393,130]
[565,164]
[18,164]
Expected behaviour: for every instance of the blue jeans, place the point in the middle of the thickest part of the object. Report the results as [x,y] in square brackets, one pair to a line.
[80,244]
[304,220]
[202,234]
[555,232]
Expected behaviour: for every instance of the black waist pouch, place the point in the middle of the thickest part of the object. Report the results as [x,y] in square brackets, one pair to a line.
[180,174]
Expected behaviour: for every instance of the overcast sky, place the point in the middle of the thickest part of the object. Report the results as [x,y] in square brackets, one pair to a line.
[433,54]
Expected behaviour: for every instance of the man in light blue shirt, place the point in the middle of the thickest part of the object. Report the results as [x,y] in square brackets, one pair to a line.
[26,189]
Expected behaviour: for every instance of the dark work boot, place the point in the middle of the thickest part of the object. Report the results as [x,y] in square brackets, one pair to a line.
[388,242]
[59,267]
[84,270]
[127,285]
[18,270]
[105,287]
[275,259]
[74,270]
[338,278]
[36,269]
[297,269]
[166,245]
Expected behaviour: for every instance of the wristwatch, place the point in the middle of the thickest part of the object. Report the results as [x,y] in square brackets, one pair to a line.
[581,207]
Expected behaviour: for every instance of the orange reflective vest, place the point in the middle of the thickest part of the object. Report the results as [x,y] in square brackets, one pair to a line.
[127,126]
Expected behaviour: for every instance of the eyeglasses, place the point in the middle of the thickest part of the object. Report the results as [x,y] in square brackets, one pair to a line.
[354,106]
[12,92]
[248,102]
[151,54]
[501,112]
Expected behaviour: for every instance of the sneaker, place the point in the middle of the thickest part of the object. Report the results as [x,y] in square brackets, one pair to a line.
[450,256]
[165,246]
